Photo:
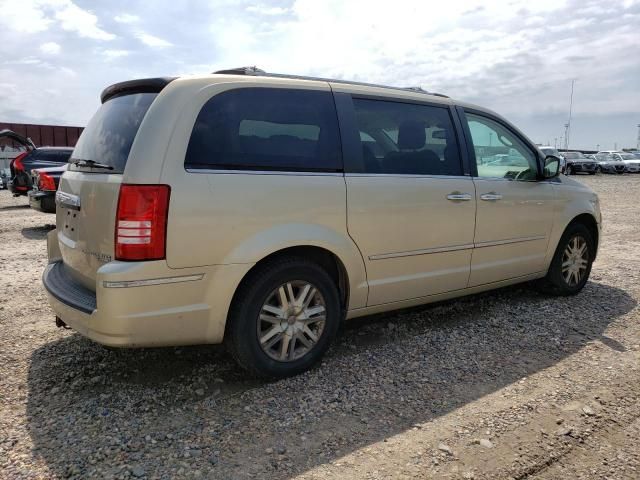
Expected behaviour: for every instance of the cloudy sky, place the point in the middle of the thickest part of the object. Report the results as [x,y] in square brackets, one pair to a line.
[517,57]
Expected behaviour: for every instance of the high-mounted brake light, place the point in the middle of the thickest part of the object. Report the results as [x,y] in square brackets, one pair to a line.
[141,222]
[46,182]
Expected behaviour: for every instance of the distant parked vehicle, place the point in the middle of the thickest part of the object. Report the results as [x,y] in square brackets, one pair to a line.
[547,150]
[577,162]
[628,159]
[609,165]
[4,178]
[32,158]
[45,183]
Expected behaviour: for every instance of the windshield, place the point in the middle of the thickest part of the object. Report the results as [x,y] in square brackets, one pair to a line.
[108,137]
[628,156]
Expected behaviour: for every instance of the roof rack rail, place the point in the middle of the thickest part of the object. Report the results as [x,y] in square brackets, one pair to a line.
[253,70]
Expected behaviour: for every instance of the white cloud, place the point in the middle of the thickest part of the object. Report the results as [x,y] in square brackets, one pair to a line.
[50,48]
[126,18]
[152,41]
[514,56]
[113,54]
[265,10]
[74,19]
[23,16]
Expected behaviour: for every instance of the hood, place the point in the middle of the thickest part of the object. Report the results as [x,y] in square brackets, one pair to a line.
[24,141]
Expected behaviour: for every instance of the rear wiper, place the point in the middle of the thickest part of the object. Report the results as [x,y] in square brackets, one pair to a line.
[92,164]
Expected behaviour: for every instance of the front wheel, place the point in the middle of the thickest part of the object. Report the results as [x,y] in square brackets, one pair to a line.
[571,264]
[283,318]
[569,170]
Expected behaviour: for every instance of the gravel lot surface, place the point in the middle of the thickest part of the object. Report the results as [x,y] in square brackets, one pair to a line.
[509,384]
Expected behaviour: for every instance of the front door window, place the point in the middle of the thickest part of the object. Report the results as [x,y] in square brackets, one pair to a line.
[499,153]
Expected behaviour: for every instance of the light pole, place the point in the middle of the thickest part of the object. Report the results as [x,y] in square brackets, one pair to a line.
[598,147]
[568,125]
[638,143]
[555,143]
[566,136]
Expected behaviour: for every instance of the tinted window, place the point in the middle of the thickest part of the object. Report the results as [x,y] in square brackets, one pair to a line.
[266,129]
[51,155]
[404,138]
[110,133]
[499,152]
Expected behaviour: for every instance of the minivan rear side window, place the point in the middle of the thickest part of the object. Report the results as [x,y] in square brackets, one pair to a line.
[406,138]
[266,129]
[108,137]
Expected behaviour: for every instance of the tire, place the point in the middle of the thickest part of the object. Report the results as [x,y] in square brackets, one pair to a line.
[253,316]
[555,282]
[592,173]
[569,170]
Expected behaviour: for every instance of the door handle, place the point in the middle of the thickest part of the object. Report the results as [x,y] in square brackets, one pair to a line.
[459,197]
[491,196]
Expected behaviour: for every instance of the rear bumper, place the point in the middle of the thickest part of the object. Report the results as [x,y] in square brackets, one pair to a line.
[42,201]
[191,308]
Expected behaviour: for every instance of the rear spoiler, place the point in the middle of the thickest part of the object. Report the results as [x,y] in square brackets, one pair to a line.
[143,85]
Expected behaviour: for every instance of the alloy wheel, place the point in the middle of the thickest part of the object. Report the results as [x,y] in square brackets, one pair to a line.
[291,321]
[575,260]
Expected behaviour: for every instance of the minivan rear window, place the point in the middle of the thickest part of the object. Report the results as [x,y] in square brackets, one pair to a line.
[108,137]
[266,129]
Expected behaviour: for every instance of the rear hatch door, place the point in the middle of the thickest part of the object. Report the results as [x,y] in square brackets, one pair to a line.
[87,197]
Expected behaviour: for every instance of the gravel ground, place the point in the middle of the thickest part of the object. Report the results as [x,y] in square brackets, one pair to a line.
[508,384]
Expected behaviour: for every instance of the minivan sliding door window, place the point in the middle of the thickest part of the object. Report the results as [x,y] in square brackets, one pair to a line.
[406,139]
[271,129]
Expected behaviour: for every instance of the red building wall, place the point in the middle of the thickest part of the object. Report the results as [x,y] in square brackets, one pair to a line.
[46,135]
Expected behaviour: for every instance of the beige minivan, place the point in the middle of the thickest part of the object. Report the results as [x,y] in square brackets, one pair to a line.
[262,210]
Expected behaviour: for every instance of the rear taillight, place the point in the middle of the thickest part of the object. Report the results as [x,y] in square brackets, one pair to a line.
[46,182]
[141,222]
[16,164]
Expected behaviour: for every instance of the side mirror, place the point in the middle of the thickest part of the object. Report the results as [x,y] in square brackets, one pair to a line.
[551,167]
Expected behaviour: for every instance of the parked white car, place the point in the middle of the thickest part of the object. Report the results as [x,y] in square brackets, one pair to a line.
[631,162]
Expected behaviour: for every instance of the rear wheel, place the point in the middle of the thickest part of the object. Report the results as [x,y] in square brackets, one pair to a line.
[571,264]
[283,318]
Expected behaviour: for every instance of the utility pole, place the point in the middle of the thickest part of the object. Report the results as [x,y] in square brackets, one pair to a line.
[568,125]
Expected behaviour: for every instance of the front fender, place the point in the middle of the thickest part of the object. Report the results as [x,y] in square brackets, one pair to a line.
[572,200]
